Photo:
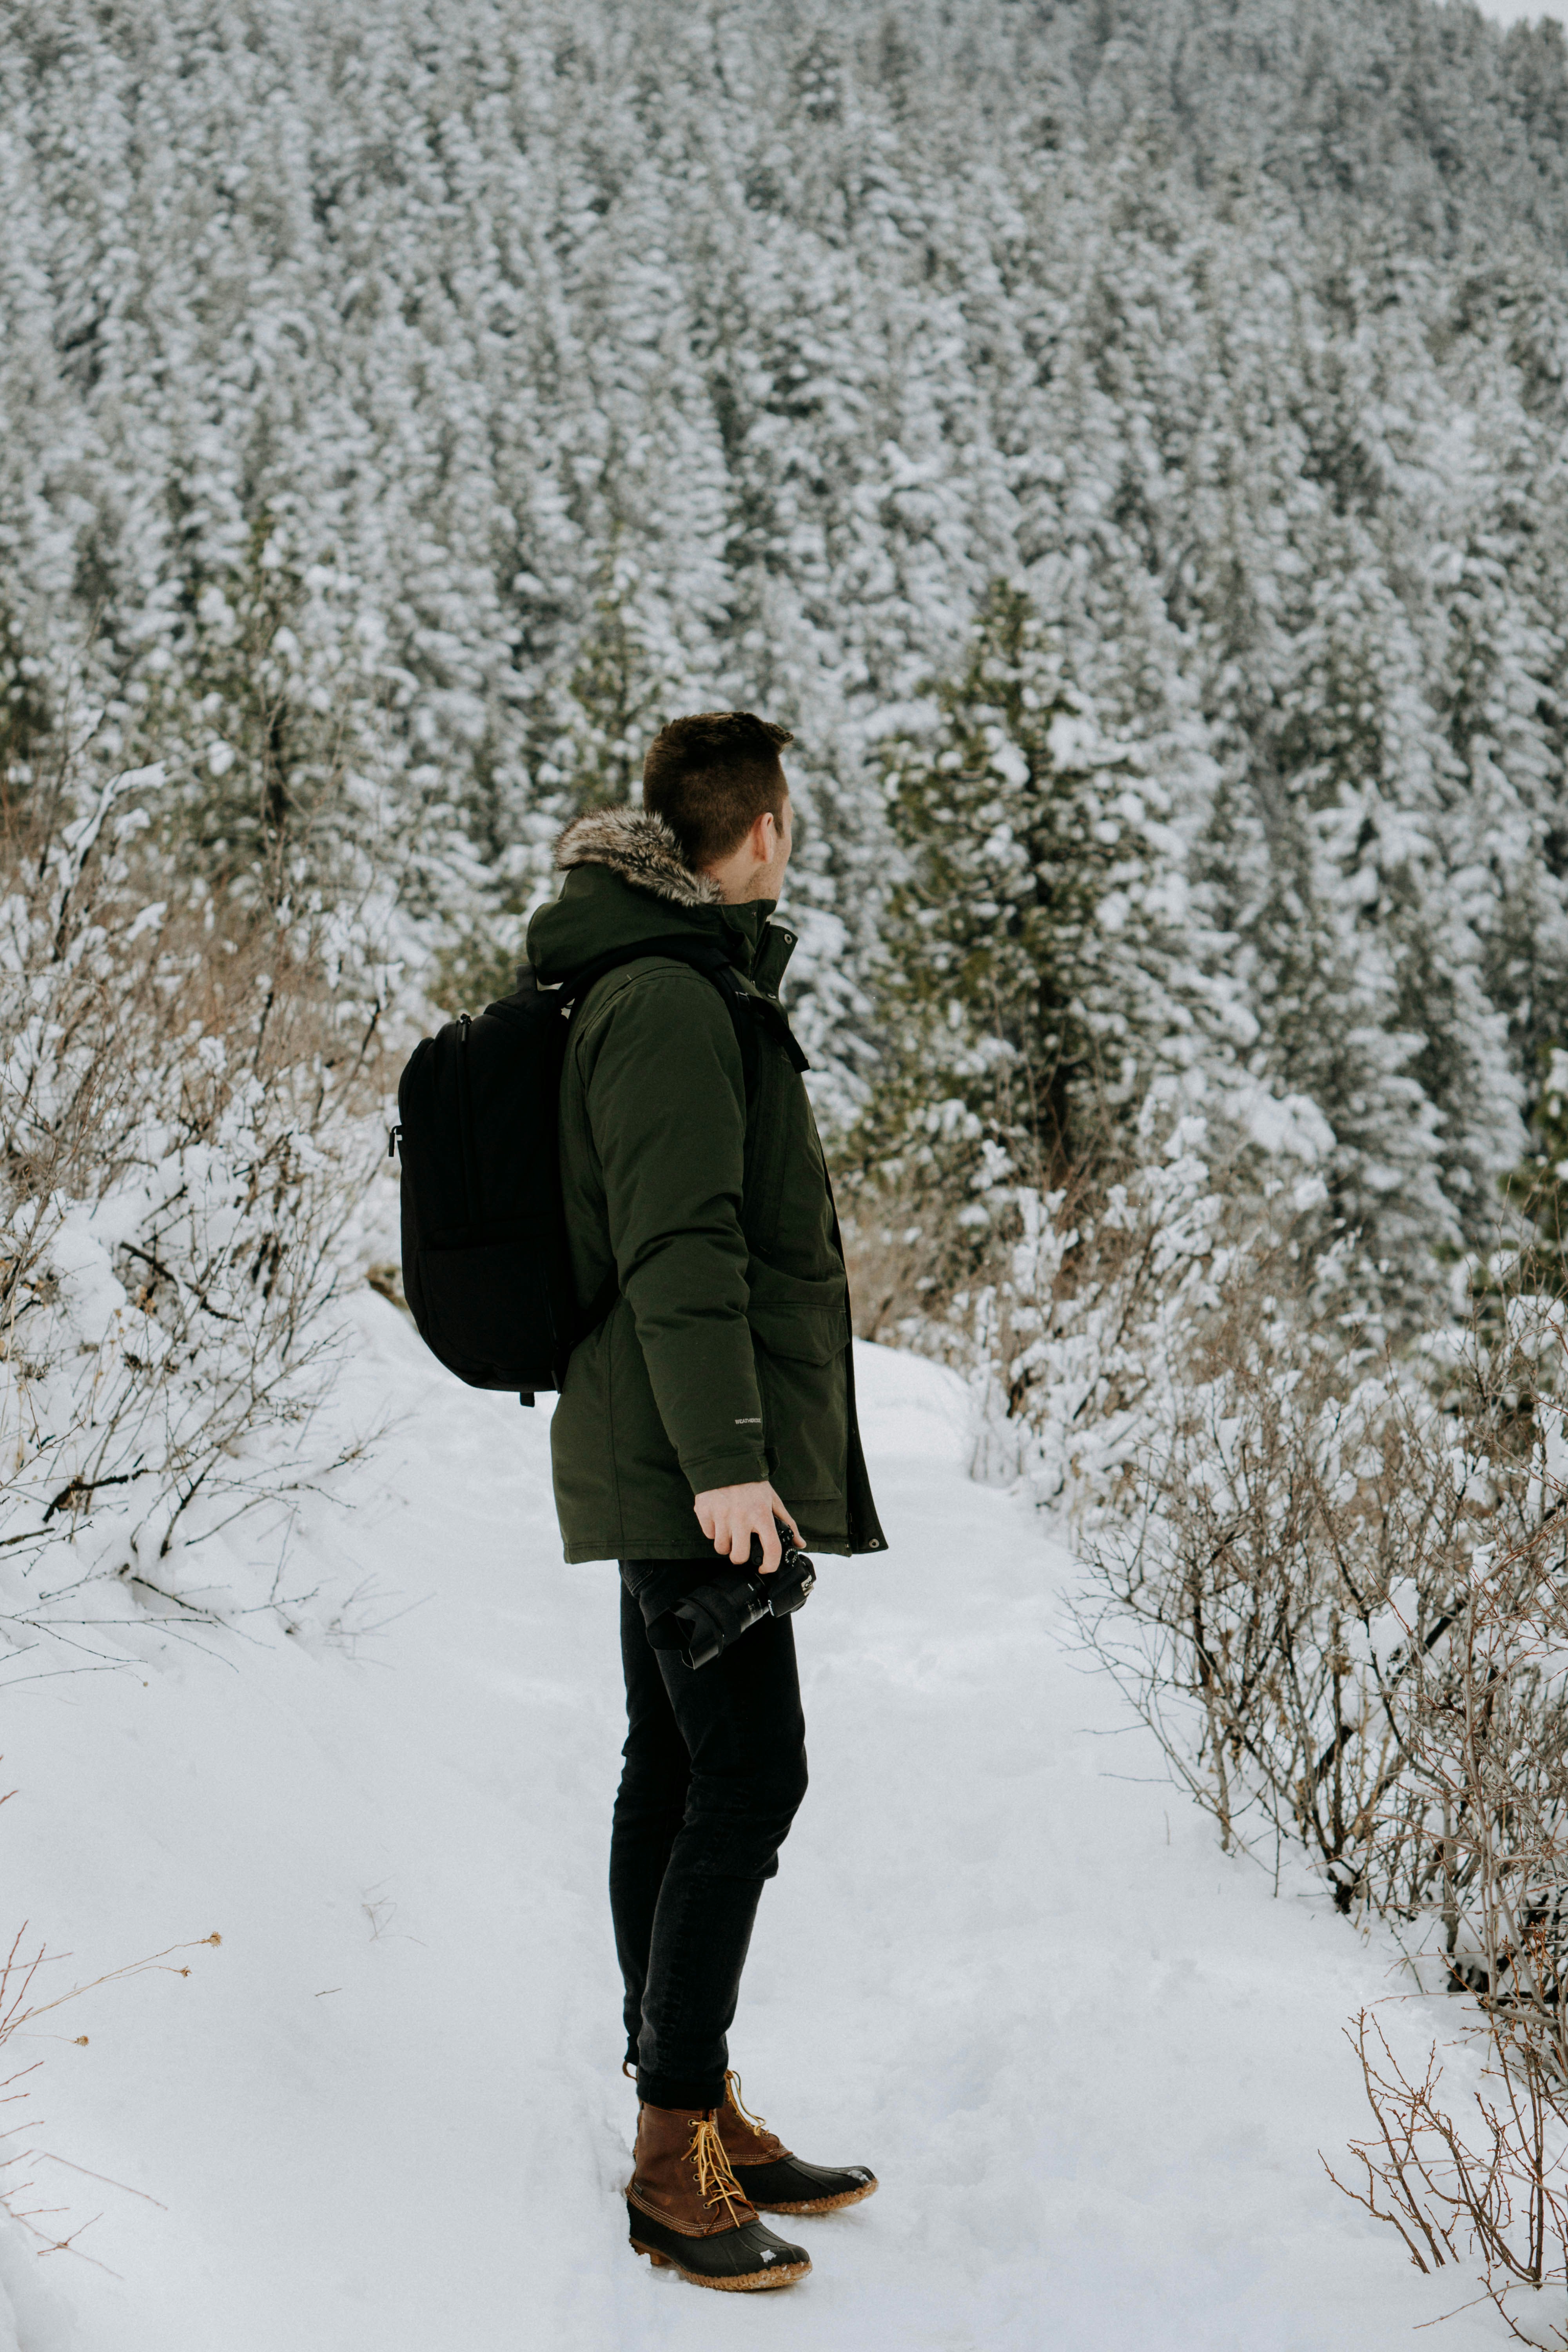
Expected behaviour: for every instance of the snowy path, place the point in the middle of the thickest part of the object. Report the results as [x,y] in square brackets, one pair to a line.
[1091,2059]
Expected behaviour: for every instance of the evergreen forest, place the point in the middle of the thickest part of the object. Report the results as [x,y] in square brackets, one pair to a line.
[1122,438]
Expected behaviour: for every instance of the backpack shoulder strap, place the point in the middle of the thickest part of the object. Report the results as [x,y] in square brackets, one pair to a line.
[741,1004]
[704,956]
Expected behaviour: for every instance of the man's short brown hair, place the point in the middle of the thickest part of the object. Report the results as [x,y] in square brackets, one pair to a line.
[711,776]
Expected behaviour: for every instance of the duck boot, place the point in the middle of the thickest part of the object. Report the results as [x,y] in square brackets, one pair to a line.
[689,2212]
[774,2181]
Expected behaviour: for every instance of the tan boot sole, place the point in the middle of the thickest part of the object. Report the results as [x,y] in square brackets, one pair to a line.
[781,2274]
[822,2204]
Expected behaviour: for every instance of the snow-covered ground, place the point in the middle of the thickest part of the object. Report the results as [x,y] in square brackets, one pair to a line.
[1004,1961]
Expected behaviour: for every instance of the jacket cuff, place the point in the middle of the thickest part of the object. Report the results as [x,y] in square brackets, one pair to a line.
[710,1470]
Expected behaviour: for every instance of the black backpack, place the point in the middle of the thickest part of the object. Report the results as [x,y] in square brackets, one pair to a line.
[486,1269]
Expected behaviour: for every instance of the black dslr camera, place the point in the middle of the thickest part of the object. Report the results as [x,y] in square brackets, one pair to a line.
[707,1620]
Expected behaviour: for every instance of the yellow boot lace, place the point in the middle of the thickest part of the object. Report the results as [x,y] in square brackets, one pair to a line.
[758,2123]
[716,2183]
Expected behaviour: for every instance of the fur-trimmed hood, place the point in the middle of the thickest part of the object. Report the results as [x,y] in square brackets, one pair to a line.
[642,849]
[627,882]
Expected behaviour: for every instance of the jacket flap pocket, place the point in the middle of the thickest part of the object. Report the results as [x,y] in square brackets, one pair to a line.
[794,1317]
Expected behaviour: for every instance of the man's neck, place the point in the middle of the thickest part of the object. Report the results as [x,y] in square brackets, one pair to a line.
[744,894]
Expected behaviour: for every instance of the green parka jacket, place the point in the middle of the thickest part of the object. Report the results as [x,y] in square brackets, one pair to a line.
[726,1356]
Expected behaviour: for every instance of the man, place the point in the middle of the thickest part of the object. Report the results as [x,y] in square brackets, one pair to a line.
[714,1401]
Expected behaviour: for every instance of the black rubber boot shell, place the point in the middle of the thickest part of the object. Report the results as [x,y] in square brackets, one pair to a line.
[790,2185]
[740,2261]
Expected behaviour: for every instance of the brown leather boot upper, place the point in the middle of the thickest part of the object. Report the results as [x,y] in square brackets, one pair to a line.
[681,2174]
[746,2139]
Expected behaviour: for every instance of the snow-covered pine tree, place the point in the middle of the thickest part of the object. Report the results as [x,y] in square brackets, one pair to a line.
[1031,975]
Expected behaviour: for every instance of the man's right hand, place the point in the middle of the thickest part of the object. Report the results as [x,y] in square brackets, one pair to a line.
[731,1515]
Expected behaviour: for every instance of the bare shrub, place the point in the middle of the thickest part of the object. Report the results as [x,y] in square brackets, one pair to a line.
[22,2004]
[23,2001]
[1340,1605]
[1488,2188]
[183,1143]
[1338,1592]
[1254,1613]
[886,1255]
[1488,1796]
[1064,1303]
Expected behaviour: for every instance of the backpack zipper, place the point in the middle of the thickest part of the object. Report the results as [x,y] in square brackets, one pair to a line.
[466,1121]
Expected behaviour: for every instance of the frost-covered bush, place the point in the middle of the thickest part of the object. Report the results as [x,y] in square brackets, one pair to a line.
[1337,1591]
[1330,1573]
[1081,1334]
[180,1157]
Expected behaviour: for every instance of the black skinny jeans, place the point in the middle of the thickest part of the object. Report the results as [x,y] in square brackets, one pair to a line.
[715,1768]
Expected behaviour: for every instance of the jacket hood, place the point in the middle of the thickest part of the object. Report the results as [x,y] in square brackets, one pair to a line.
[641,849]
[626,882]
